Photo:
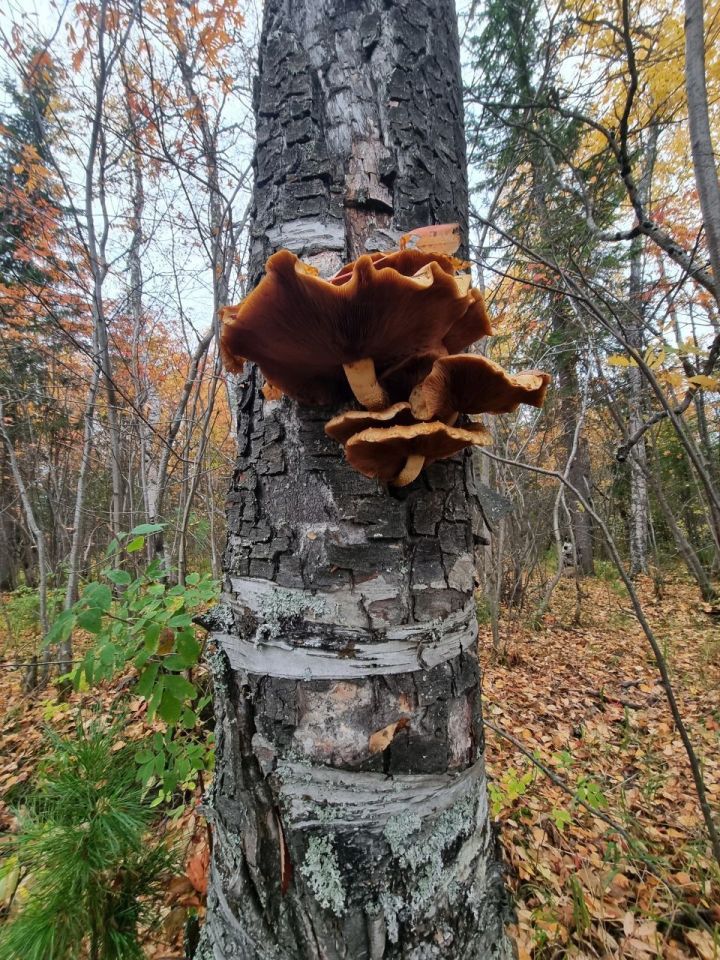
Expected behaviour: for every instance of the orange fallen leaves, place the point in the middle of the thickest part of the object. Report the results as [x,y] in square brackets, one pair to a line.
[580,892]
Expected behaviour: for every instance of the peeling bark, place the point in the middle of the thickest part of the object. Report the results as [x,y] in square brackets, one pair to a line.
[349,805]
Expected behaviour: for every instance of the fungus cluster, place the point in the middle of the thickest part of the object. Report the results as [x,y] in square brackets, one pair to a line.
[387,330]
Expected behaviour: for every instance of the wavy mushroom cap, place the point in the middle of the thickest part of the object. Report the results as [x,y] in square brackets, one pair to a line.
[301,330]
[472,326]
[347,424]
[383,454]
[472,384]
[406,262]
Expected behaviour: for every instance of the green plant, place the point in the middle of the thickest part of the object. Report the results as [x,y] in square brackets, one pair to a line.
[90,870]
[589,792]
[146,623]
[483,610]
[581,915]
[511,787]
[22,607]
[560,817]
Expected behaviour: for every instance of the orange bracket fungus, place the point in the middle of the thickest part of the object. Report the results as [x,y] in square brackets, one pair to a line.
[347,424]
[323,341]
[469,383]
[397,454]
[387,329]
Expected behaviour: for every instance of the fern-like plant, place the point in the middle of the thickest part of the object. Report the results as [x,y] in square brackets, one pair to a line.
[90,871]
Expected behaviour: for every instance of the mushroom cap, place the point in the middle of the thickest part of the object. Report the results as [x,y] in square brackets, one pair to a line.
[381,453]
[472,326]
[347,424]
[300,329]
[473,384]
[406,262]
[399,380]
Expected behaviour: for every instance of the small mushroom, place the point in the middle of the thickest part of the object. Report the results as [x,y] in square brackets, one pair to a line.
[398,453]
[473,384]
[347,424]
[320,341]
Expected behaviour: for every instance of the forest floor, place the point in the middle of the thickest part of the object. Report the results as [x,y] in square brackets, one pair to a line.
[581,698]
[584,700]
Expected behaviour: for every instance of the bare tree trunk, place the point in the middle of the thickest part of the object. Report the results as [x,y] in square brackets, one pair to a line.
[639,508]
[159,480]
[685,548]
[349,610]
[73,575]
[639,504]
[197,471]
[578,470]
[146,395]
[35,532]
[214,558]
[96,243]
[706,176]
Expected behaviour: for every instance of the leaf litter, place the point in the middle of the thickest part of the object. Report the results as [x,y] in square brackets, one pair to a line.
[584,699]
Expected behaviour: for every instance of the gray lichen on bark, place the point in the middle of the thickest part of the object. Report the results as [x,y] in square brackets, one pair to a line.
[325,844]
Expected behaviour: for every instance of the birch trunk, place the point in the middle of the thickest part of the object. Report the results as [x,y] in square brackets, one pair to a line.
[638,521]
[73,576]
[349,806]
[578,470]
[706,176]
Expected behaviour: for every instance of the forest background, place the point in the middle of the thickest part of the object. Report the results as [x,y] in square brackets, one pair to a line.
[126,138]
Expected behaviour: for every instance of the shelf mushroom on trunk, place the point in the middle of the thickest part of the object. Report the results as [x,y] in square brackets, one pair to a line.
[385,330]
[324,341]
[392,446]
[398,454]
[469,383]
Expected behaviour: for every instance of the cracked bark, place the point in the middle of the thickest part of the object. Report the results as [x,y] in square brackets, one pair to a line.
[349,609]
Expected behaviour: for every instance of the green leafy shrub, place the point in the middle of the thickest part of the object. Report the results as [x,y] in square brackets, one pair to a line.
[145,622]
[90,871]
[22,608]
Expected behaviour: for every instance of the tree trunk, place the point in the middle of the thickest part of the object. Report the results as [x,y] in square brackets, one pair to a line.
[38,537]
[8,528]
[578,470]
[73,573]
[349,805]
[638,521]
[706,176]
[685,548]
